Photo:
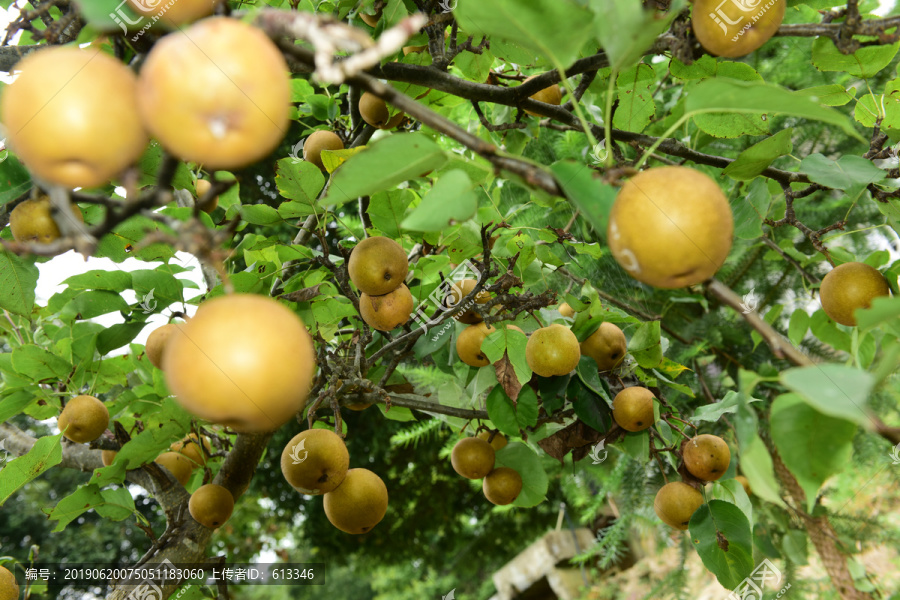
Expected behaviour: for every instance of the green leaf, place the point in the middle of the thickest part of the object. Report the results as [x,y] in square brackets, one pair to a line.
[386,209]
[34,362]
[167,289]
[886,105]
[845,172]
[757,467]
[731,490]
[883,310]
[589,194]
[93,303]
[527,408]
[46,453]
[703,67]
[635,89]
[713,412]
[112,504]
[113,281]
[829,95]
[721,534]
[865,62]
[645,346]
[730,124]
[625,29]
[384,164]
[18,278]
[451,200]
[798,326]
[755,159]
[116,336]
[526,462]
[813,445]
[14,178]
[591,409]
[840,391]
[13,403]
[750,211]
[300,181]
[729,95]
[260,214]
[502,412]
[531,24]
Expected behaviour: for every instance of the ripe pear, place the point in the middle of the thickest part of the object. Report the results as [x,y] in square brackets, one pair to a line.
[71,116]
[211,505]
[315,461]
[607,346]
[32,221]
[670,227]
[499,442]
[190,449]
[374,111]
[217,94]
[566,311]
[675,502]
[83,419]
[244,361]
[358,504]
[727,29]
[460,290]
[107,457]
[377,265]
[550,95]
[850,286]
[502,486]
[706,457]
[9,589]
[633,408]
[156,343]
[552,350]
[472,458]
[386,312]
[468,344]
[177,464]
[204,186]
[178,13]
[318,141]
[745,483]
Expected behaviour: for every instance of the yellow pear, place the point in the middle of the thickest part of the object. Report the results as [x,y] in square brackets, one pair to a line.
[607,346]
[552,350]
[850,286]
[244,361]
[499,442]
[566,310]
[177,13]
[177,464]
[468,344]
[374,111]
[472,458]
[211,505]
[318,141]
[734,29]
[315,461]
[84,419]
[670,227]
[460,290]
[204,186]
[377,265]
[359,503]
[386,312]
[633,408]
[107,457]
[156,343]
[675,503]
[707,457]
[745,483]
[550,95]
[502,486]
[32,221]
[192,451]
[9,589]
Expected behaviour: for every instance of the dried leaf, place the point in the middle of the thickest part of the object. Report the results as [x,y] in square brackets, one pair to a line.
[304,295]
[506,375]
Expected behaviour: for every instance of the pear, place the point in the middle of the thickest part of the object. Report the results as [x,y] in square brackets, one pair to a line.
[204,186]
[468,344]
[9,589]
[472,458]
[374,111]
[386,312]
[848,287]
[377,266]
[156,343]
[566,310]
[318,141]
[211,505]
[633,408]
[750,28]
[358,504]
[315,461]
[675,503]
[191,449]
[83,419]
[607,346]
[550,95]
[502,486]
[552,350]
[460,290]
[706,457]
[498,443]
[32,221]
[177,464]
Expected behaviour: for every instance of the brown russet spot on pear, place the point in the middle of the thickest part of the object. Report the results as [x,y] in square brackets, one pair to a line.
[706,456]
[319,141]
[633,408]
[468,344]
[472,458]
[315,461]
[177,464]
[675,502]
[377,265]
[83,419]
[32,221]
[607,346]
[211,505]
[552,350]
[726,29]
[502,486]
[848,287]
[156,343]
[386,312]
[670,227]
[358,504]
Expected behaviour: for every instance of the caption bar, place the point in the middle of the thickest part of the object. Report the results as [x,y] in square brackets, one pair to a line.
[61,574]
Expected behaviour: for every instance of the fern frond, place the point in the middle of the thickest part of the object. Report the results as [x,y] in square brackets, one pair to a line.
[415,433]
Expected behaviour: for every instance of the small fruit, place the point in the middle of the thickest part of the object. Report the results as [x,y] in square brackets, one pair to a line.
[497,443]
[177,13]
[502,486]
[633,408]
[71,116]
[607,346]
[744,482]
[734,29]
[9,589]
[675,502]
[156,343]
[706,457]
[386,312]
[460,290]
[211,505]
[468,344]
[566,310]
[552,350]
[690,221]
[377,265]
[359,503]
[315,461]
[191,450]
[107,457]
[374,111]
[550,95]
[848,287]
[83,419]
[318,141]
[244,361]
[472,458]
[177,464]
[203,186]
[217,93]
[32,221]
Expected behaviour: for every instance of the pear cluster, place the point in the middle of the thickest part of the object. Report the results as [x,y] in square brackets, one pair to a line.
[316,462]
[378,267]
[474,458]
